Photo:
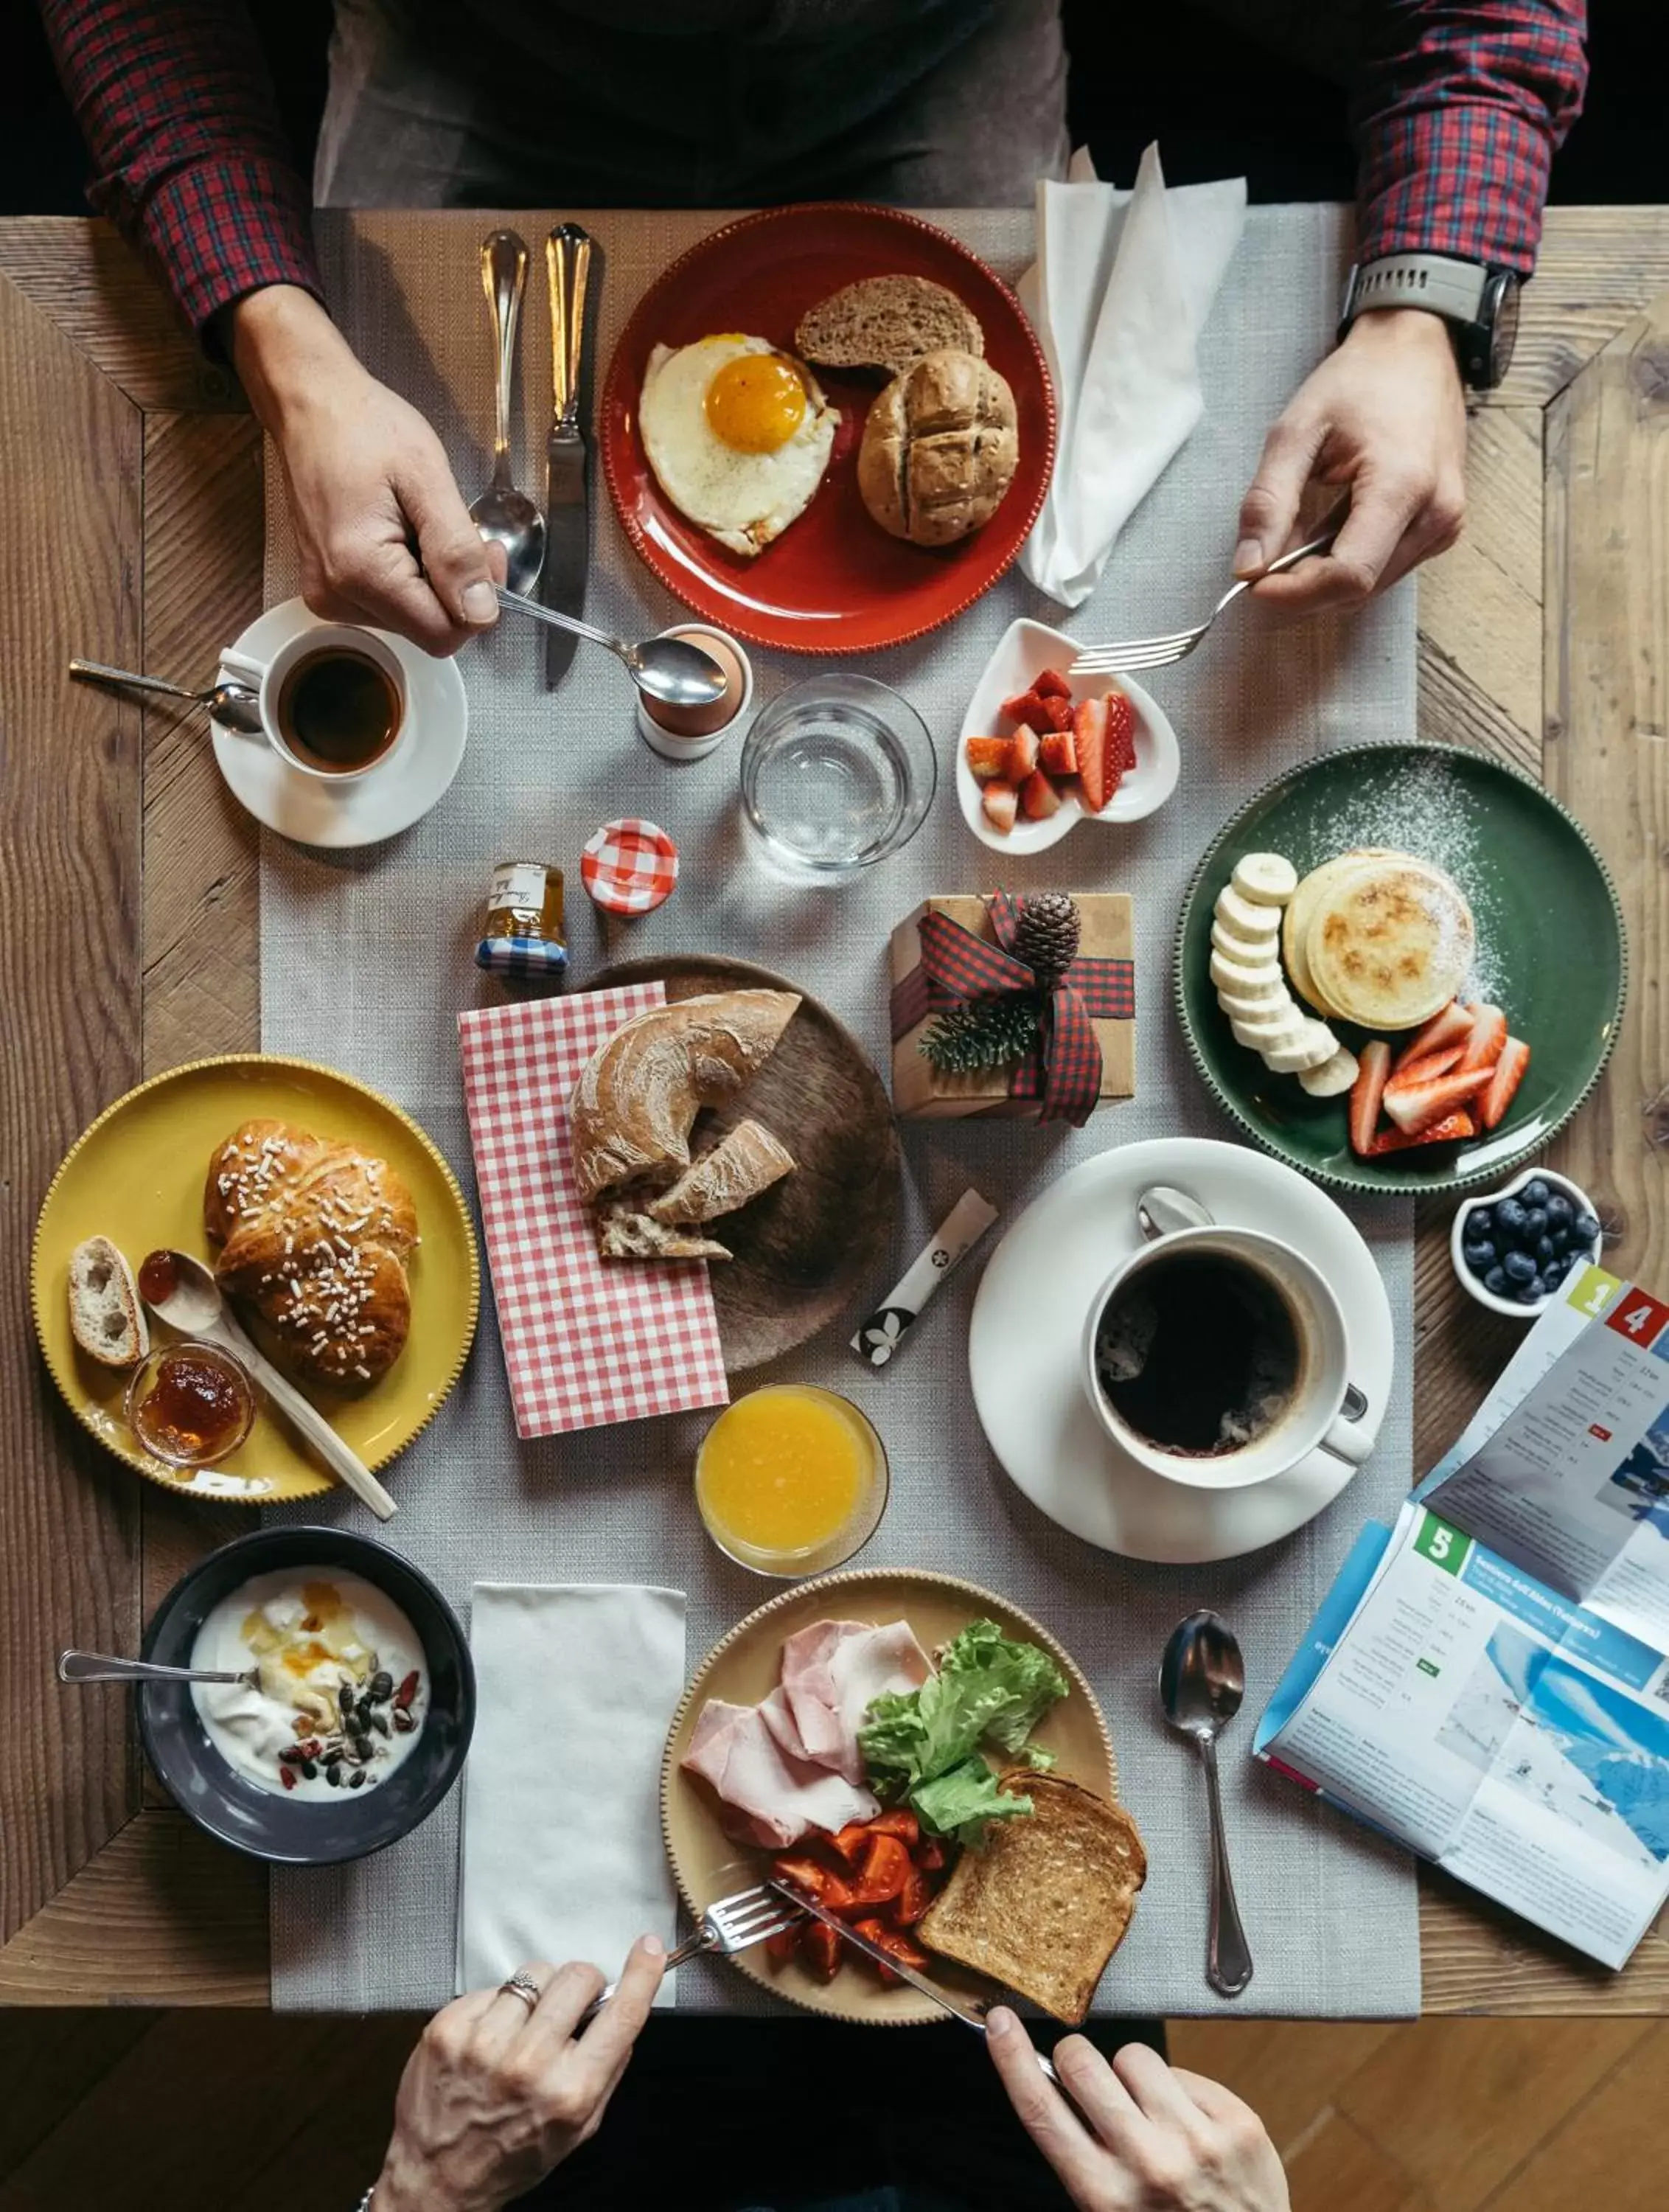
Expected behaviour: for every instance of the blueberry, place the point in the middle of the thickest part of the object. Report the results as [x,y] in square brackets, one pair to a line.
[1535,1223]
[1556,1270]
[1519,1267]
[1479,1257]
[1530,1293]
[1585,1232]
[1559,1238]
[1560,1211]
[1546,1252]
[1535,1193]
[1495,1283]
[1510,1217]
[1480,1221]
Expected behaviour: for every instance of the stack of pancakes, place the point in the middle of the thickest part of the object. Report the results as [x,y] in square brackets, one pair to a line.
[1378,938]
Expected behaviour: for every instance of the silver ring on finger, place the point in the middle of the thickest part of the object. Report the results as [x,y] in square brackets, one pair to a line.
[522,1984]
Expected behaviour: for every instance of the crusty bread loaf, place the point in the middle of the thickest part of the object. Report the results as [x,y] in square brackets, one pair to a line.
[638,1096]
[314,1235]
[884,323]
[1045,1902]
[939,449]
[106,1317]
[739,1167]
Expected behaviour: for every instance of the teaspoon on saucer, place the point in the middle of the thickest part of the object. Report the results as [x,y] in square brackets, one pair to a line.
[233,705]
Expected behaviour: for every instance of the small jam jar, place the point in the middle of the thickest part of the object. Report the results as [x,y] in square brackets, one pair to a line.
[685,733]
[191,1403]
[522,932]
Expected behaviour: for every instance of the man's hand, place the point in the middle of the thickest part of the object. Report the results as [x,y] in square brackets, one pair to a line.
[1145,2136]
[496,2094]
[384,535]
[1384,416]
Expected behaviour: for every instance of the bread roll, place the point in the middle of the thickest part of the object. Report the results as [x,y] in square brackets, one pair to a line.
[939,449]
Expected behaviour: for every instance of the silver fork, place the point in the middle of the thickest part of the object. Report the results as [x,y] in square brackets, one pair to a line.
[1160,652]
[731,1924]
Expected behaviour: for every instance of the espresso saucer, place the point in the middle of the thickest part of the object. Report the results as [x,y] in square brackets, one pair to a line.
[1025,1340]
[388,798]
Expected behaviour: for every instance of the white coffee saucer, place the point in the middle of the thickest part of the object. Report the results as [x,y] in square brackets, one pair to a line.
[388,798]
[1024,1349]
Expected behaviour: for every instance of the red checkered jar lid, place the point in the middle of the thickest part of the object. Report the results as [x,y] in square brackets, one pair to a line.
[629,867]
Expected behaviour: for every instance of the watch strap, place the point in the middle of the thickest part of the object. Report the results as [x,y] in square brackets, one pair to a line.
[1453,289]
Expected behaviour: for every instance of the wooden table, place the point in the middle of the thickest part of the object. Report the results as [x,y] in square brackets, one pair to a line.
[131,503]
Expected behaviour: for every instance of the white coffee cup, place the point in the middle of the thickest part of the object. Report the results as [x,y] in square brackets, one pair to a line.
[1323,1410]
[267,678]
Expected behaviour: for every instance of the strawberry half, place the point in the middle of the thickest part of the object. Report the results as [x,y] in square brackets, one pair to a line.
[1090,736]
[1120,736]
[1488,1034]
[1058,753]
[1052,685]
[1037,797]
[1427,1068]
[1452,1027]
[1026,707]
[1001,802]
[1366,1093]
[1449,1130]
[1059,711]
[1023,748]
[988,757]
[1507,1076]
[1416,1106]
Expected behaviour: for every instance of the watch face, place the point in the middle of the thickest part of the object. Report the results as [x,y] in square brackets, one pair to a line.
[1500,308]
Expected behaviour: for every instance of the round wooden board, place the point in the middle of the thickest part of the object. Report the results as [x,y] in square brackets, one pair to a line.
[805,1248]
[742,1668]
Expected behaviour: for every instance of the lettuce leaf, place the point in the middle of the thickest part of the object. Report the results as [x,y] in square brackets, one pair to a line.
[987,1685]
[961,1803]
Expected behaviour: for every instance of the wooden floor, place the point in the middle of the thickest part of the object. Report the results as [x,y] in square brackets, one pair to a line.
[130,2112]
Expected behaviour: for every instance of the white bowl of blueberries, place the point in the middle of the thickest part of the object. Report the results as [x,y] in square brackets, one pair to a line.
[1513,1247]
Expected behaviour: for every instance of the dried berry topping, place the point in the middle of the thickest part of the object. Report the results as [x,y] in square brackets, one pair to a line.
[406,1692]
[287,1777]
[404,1722]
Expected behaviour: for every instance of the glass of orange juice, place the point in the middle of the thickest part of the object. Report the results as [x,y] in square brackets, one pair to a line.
[791,1479]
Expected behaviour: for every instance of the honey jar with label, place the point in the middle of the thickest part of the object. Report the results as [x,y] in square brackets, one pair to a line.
[522,933]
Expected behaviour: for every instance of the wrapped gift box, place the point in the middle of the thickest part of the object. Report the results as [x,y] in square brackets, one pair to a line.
[1102,975]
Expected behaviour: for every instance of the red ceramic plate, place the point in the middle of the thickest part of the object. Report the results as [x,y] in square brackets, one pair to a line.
[834,581]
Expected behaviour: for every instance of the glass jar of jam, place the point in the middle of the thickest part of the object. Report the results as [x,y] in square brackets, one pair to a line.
[191,1403]
[522,932]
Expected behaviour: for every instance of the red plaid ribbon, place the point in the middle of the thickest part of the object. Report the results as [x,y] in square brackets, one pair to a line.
[958,968]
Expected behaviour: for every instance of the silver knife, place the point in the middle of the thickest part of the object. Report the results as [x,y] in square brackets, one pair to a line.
[567,507]
[971,2011]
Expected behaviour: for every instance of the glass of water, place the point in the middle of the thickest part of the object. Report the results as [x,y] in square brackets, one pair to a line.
[837,772]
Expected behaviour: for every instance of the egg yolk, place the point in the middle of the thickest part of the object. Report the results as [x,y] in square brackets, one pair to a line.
[755,403]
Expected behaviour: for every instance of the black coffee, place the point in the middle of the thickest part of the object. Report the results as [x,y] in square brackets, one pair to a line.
[338,709]
[1199,1353]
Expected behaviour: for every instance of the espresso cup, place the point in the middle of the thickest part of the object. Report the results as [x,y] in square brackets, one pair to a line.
[1323,1410]
[272,680]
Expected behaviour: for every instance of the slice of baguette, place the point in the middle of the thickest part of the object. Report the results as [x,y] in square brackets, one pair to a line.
[883,322]
[1044,1904]
[106,1316]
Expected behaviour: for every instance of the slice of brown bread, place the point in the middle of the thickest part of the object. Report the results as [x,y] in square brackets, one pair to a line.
[1045,1902]
[882,323]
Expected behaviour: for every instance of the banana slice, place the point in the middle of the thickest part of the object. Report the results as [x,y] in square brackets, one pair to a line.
[1240,1008]
[1332,1077]
[1250,952]
[1265,879]
[1246,917]
[1314,1046]
[1278,1030]
[1261,979]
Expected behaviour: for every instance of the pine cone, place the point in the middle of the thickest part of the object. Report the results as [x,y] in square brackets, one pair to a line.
[991,1033]
[1047,935]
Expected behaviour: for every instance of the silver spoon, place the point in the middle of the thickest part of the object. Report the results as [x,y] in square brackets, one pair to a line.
[195,1306]
[233,704]
[668,668]
[99,1667]
[1162,1209]
[1201,1680]
[502,515]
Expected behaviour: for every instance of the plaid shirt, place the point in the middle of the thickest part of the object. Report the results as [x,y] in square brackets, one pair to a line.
[1461,105]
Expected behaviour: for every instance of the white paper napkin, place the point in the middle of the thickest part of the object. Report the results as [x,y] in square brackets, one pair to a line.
[1119,294]
[576,1685]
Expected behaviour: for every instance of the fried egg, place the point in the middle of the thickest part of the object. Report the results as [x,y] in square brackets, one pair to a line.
[738,435]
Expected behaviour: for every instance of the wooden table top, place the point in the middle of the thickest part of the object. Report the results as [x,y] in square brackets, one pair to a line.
[130,530]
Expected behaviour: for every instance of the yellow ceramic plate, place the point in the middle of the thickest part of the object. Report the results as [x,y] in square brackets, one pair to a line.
[137,1176]
[744,1669]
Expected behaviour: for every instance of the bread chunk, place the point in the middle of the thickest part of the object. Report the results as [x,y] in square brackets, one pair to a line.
[736,1171]
[106,1317]
[624,1233]
[884,323]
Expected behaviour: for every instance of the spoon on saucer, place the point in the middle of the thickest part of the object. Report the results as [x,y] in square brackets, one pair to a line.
[101,1667]
[666,668]
[504,515]
[183,1292]
[1162,1209]
[233,705]
[1201,1680]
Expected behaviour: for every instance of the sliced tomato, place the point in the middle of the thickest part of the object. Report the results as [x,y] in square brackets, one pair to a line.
[819,1947]
[886,1869]
[913,1900]
[782,1946]
[810,1875]
[851,1842]
[889,1940]
[931,1856]
[898,1821]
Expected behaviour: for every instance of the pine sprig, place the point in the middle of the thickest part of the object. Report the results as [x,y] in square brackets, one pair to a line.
[990,1033]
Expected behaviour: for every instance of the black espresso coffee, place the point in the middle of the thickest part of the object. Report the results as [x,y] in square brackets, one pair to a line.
[338,710]
[1199,1353]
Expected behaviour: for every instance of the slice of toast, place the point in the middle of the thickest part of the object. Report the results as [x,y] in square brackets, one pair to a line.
[106,1317]
[883,322]
[1044,1904]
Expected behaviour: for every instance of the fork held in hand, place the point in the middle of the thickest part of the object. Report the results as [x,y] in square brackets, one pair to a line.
[733,1923]
[1138,652]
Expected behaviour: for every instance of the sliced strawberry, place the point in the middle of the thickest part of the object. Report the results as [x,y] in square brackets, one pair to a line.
[1023,749]
[1090,736]
[988,757]
[1508,1074]
[1059,711]
[1052,685]
[1001,803]
[1449,1130]
[1027,708]
[1426,1068]
[1037,797]
[1120,735]
[1419,1105]
[1488,1034]
[1452,1027]
[1366,1093]
[1058,753]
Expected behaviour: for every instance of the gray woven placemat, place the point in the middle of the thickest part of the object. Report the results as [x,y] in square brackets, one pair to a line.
[366,961]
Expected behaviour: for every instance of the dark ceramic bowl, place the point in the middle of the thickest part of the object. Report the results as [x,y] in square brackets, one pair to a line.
[293,1831]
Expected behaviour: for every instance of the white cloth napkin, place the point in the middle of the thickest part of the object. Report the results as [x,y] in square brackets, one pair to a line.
[562,1858]
[1119,294]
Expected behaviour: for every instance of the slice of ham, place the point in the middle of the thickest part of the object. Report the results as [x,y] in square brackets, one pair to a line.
[776,1798]
[832,1672]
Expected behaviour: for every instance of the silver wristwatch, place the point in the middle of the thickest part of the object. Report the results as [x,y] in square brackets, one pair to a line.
[1479,304]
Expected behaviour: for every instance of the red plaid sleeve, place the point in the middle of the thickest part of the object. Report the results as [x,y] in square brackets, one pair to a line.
[1462,106]
[190,159]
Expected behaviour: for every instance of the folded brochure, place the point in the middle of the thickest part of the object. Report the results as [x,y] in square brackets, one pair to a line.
[1487,1682]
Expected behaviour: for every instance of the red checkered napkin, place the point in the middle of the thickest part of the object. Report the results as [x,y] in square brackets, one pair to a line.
[587,1341]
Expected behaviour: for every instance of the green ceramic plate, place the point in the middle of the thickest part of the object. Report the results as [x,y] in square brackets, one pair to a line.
[1550,939]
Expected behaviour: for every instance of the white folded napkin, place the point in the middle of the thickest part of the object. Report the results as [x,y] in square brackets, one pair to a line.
[576,1685]
[1119,294]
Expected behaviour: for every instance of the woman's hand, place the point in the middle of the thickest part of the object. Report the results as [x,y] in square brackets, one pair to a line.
[1385,416]
[1145,2136]
[384,534]
[498,2092]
